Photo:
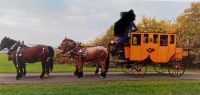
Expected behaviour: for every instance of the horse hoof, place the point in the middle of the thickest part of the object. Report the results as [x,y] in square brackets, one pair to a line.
[19,78]
[41,77]
[46,76]
[103,75]
[75,73]
[80,75]
[23,76]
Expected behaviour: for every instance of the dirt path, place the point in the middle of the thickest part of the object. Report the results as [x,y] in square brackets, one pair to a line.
[7,78]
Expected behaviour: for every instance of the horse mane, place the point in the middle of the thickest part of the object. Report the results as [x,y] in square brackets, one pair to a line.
[85,45]
[10,42]
[71,40]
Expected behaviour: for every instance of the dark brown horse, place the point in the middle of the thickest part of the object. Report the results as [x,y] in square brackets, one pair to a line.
[21,54]
[81,54]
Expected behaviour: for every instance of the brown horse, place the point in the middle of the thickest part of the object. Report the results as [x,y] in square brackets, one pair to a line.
[21,54]
[90,54]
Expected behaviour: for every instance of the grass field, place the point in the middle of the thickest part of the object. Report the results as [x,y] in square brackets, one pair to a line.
[175,87]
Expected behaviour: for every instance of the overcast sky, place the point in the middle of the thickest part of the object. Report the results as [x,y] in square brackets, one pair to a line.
[49,21]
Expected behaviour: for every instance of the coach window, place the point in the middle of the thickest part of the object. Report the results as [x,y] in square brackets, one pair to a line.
[171,39]
[136,39]
[163,40]
[155,38]
[146,38]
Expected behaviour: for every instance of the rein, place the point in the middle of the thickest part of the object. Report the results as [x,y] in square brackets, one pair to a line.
[13,46]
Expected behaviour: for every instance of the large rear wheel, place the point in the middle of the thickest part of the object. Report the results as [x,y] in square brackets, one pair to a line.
[176,68]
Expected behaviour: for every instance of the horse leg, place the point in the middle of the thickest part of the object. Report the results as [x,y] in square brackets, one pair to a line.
[47,69]
[97,69]
[19,72]
[17,69]
[80,72]
[43,70]
[76,71]
[23,69]
[80,68]
[103,69]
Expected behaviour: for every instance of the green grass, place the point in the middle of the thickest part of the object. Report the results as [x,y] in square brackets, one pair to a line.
[8,67]
[173,87]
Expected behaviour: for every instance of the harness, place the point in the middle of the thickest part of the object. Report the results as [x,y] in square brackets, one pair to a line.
[17,54]
[74,49]
[81,51]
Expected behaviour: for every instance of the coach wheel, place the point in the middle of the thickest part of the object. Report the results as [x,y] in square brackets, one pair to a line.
[160,68]
[126,68]
[139,70]
[176,68]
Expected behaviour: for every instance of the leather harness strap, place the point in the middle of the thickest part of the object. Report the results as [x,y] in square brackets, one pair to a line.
[17,56]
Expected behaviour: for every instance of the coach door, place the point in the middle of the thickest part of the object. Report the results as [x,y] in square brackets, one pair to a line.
[155,46]
[163,48]
[145,45]
[135,54]
[172,45]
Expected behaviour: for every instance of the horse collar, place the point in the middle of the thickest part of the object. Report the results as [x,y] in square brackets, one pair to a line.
[74,49]
[77,51]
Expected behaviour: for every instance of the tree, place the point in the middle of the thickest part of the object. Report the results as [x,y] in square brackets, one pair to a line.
[189,24]
[150,24]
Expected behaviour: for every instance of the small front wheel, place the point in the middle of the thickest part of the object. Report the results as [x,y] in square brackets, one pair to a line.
[126,68]
[139,70]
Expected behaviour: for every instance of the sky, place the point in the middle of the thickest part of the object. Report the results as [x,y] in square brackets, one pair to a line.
[48,22]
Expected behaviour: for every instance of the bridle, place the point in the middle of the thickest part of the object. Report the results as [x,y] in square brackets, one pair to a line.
[72,50]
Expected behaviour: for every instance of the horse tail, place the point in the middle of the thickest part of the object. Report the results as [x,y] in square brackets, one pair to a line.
[51,58]
[107,61]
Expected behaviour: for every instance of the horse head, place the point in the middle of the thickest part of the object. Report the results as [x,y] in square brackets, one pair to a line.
[67,45]
[3,43]
[7,43]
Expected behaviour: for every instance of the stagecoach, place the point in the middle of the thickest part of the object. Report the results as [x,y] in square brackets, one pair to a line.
[147,48]
[159,49]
